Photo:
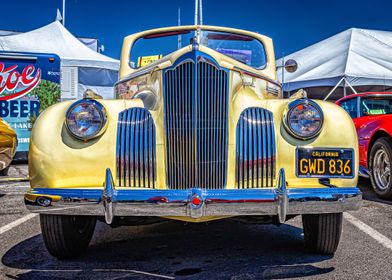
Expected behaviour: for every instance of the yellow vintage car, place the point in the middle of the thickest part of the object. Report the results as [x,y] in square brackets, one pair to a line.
[8,145]
[199,131]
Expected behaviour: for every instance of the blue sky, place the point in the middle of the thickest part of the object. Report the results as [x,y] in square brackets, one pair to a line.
[292,24]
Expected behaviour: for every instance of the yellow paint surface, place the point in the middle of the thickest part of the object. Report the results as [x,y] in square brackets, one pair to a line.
[56,160]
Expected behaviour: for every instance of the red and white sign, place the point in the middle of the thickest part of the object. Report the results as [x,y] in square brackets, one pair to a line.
[14,84]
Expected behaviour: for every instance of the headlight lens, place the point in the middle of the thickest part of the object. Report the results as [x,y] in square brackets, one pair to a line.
[85,119]
[304,118]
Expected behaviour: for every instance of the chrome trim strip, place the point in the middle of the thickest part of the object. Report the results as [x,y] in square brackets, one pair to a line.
[215,202]
[107,197]
[136,145]
[242,71]
[363,171]
[20,57]
[282,197]
[255,148]
[223,202]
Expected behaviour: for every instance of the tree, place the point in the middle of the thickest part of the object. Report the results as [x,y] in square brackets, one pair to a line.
[47,93]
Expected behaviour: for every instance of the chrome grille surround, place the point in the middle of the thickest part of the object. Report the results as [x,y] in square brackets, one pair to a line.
[196,111]
[255,149]
[136,144]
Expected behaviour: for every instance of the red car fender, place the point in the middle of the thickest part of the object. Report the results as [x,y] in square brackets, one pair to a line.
[370,128]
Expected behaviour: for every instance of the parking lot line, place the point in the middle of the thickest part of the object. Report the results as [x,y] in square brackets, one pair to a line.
[17,223]
[380,238]
[103,270]
[134,272]
[19,179]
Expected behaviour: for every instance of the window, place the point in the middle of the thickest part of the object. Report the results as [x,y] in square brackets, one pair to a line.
[376,105]
[351,107]
[242,48]
[155,46]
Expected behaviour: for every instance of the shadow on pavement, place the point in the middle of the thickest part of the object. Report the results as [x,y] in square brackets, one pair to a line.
[218,250]
[368,192]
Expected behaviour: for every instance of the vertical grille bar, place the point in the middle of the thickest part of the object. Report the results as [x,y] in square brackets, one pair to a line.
[255,149]
[136,142]
[195,106]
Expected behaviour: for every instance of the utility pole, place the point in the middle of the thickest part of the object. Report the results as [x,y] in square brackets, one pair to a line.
[196,11]
[63,12]
[201,12]
[179,24]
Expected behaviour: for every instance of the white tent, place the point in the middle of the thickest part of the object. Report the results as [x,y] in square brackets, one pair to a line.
[92,43]
[351,61]
[80,65]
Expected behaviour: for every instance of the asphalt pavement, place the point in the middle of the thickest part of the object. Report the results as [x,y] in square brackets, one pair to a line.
[217,250]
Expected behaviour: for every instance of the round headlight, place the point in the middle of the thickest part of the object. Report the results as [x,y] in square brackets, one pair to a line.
[304,118]
[85,119]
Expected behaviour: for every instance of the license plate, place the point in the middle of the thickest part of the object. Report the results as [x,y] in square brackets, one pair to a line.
[325,163]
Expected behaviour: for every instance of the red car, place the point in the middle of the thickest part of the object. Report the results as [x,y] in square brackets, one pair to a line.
[372,116]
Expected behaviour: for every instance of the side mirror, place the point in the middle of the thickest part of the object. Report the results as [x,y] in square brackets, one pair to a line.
[291,65]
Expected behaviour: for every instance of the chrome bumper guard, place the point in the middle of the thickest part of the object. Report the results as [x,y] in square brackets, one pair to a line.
[195,203]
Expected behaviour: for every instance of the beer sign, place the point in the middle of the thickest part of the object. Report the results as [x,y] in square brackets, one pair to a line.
[29,82]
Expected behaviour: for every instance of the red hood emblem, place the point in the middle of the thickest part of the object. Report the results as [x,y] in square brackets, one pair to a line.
[14,84]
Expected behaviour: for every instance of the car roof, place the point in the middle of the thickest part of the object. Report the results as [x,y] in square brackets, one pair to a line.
[364,94]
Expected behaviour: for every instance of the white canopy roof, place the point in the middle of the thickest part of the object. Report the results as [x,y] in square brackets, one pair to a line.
[55,38]
[360,56]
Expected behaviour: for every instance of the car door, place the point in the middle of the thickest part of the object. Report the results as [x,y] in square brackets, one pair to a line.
[351,106]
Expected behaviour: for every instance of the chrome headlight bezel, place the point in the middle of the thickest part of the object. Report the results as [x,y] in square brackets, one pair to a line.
[100,109]
[287,119]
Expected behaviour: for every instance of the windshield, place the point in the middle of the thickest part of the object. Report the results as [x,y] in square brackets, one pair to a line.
[376,106]
[242,48]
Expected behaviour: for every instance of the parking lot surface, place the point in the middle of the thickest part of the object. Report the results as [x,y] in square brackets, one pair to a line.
[216,250]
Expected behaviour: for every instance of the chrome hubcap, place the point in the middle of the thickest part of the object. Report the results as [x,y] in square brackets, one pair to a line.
[381,169]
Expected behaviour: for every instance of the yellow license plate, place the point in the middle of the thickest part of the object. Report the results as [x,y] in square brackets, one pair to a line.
[325,163]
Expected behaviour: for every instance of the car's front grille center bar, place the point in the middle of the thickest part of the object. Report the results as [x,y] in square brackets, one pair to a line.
[196,110]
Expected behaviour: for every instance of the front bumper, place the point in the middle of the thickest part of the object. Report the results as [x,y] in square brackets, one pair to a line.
[194,203]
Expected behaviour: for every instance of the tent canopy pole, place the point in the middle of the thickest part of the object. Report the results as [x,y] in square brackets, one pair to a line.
[329,94]
[63,12]
[350,86]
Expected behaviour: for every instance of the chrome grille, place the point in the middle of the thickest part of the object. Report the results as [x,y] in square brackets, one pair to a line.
[196,104]
[136,149]
[255,164]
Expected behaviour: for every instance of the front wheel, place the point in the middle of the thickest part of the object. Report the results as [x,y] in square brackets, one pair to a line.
[380,168]
[322,232]
[67,236]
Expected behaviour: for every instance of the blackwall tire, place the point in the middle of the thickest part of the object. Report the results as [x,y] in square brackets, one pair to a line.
[322,232]
[67,237]
[4,172]
[381,151]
